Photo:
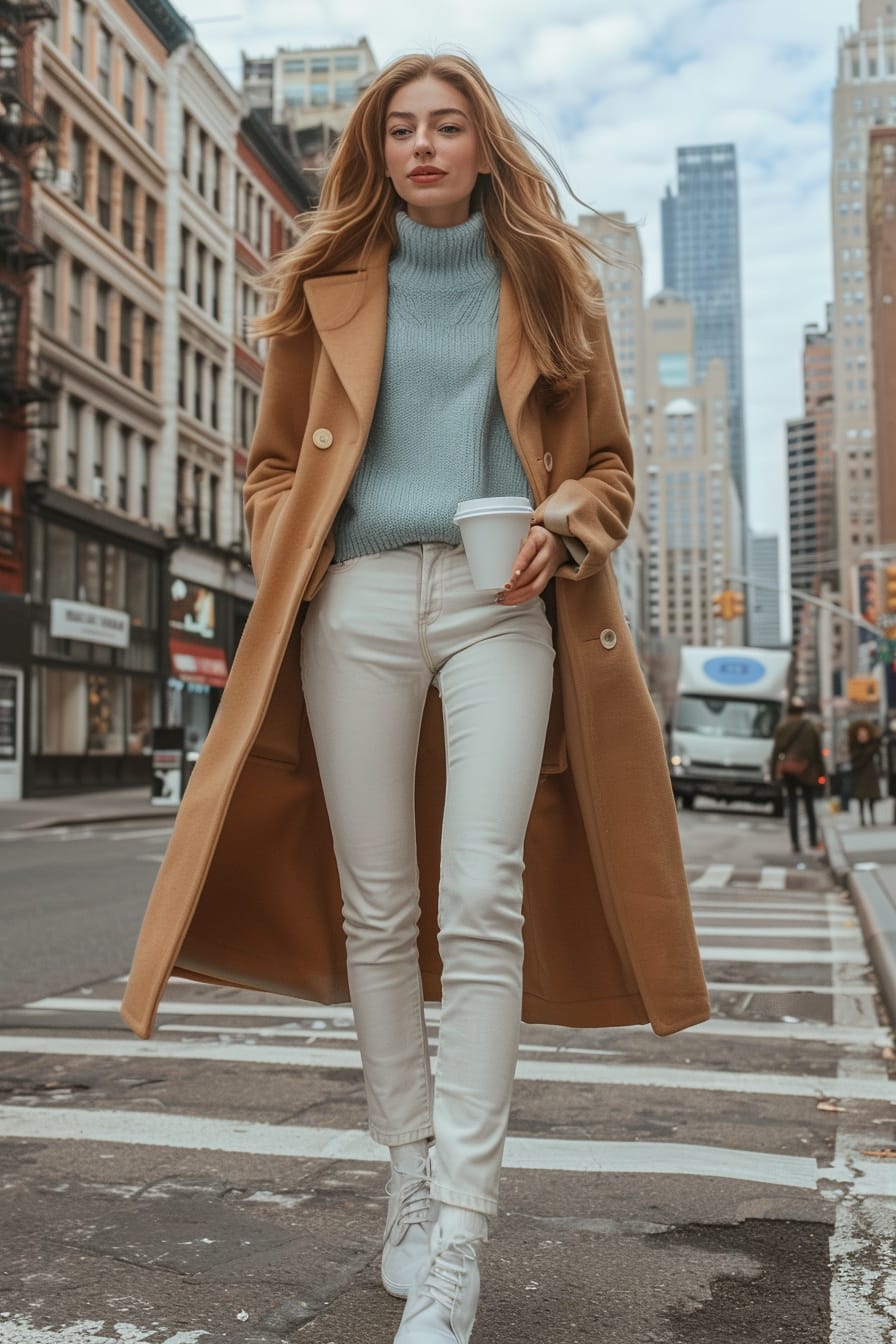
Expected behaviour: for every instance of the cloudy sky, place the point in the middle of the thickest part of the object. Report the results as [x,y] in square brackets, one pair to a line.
[612,89]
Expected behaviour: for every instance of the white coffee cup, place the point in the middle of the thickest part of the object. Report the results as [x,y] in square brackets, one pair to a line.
[492,531]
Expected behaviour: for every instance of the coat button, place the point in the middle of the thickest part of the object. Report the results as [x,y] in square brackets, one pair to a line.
[322,438]
[608,639]
[548,462]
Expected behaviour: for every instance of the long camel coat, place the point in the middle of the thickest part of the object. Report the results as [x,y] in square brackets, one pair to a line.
[248,893]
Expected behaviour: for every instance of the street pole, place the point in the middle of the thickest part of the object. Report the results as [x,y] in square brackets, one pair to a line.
[825,628]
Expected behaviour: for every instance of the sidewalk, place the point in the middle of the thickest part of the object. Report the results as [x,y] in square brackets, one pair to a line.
[864,859]
[81,809]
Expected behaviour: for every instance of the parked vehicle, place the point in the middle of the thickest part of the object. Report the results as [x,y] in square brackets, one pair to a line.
[719,736]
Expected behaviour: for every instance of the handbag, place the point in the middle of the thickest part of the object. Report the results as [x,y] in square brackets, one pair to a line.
[787,765]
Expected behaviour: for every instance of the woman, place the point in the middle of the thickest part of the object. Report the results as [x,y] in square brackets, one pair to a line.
[393,741]
[798,762]
[864,760]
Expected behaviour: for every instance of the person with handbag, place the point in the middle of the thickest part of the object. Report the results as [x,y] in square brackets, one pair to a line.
[402,762]
[798,763]
[864,757]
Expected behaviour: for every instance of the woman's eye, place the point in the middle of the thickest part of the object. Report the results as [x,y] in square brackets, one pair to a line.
[399,132]
[449,128]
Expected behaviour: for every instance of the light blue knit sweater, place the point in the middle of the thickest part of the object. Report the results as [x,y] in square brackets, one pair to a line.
[438,434]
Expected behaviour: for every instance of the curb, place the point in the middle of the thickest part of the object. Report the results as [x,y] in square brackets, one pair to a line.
[877,915]
[837,860]
[49,823]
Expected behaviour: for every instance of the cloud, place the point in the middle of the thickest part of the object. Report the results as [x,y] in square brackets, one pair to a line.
[612,89]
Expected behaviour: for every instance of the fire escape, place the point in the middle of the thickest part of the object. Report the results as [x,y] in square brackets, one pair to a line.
[22,132]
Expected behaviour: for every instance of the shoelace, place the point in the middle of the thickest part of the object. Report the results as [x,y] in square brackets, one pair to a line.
[446,1275]
[413,1204]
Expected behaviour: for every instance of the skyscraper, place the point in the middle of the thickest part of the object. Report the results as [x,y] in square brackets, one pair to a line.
[701,261]
[764,604]
[864,97]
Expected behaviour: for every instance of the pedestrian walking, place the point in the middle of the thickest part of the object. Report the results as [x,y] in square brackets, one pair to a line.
[865,762]
[402,764]
[798,763]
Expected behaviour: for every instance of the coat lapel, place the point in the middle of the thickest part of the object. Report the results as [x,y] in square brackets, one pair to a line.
[349,314]
[517,373]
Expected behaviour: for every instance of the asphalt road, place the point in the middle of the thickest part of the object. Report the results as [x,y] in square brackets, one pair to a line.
[729,1185]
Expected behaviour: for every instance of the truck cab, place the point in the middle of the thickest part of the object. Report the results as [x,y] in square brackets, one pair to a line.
[728,704]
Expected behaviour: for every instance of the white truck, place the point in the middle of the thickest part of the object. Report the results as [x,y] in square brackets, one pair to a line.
[719,736]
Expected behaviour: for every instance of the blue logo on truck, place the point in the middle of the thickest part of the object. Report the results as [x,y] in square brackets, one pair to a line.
[733,671]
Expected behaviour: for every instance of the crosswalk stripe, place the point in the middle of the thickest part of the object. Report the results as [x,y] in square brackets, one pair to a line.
[787,931]
[618,1075]
[191,1132]
[783,956]
[715,876]
[773,879]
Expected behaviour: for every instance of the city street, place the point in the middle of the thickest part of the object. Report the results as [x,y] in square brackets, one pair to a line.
[732,1184]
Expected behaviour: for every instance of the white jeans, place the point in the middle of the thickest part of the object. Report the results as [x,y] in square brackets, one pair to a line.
[379,631]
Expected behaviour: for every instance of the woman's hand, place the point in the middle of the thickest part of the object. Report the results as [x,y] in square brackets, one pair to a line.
[537,561]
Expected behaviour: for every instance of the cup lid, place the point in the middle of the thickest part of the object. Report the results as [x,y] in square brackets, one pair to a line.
[472,508]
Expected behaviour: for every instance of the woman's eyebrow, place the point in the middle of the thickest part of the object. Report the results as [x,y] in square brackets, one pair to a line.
[440,112]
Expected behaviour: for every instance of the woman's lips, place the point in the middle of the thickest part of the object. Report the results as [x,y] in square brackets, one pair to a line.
[430,175]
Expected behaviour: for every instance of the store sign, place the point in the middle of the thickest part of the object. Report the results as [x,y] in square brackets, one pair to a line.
[93,625]
[192,609]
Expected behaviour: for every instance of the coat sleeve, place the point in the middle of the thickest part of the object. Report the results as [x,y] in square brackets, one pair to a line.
[591,514]
[277,441]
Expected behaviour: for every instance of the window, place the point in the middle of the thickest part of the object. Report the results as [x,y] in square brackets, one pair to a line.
[101,341]
[293,66]
[320,65]
[103,52]
[184,251]
[320,95]
[217,179]
[346,92]
[49,284]
[149,352]
[125,337]
[121,480]
[185,145]
[104,190]
[673,369]
[73,421]
[150,226]
[128,80]
[197,501]
[79,23]
[199,292]
[128,211]
[182,374]
[346,62]
[198,377]
[75,302]
[213,483]
[78,165]
[143,479]
[216,391]
[216,289]
[100,448]
[203,155]
[150,106]
[52,116]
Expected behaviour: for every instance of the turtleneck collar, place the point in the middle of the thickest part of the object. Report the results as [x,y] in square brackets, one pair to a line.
[461,248]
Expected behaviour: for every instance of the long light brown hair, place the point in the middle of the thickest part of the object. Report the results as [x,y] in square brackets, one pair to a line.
[546,259]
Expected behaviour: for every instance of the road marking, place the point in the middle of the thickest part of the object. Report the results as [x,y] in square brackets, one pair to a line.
[781,956]
[773,879]
[19,1330]
[326,1021]
[191,1132]
[863,1275]
[742,987]
[616,1075]
[765,918]
[715,876]
[788,931]
[770,908]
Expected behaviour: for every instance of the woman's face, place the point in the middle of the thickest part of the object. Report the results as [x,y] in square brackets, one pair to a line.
[433,156]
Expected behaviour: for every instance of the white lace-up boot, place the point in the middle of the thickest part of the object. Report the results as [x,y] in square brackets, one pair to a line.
[409,1223]
[441,1308]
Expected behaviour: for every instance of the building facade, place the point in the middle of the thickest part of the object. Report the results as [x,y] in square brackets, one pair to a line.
[694,514]
[764,598]
[701,261]
[864,98]
[308,94]
[623,286]
[882,294]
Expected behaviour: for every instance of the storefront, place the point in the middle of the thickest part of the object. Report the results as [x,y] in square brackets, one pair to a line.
[96,676]
[204,628]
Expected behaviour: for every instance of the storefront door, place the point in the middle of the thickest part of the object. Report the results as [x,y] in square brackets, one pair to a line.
[10,733]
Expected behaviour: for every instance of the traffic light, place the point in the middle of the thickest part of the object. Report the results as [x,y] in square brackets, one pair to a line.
[890,587]
[727,605]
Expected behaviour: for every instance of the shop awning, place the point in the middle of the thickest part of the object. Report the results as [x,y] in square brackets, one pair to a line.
[197,662]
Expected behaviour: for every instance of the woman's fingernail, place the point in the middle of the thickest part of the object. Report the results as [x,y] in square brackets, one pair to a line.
[517,573]
[507,587]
